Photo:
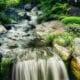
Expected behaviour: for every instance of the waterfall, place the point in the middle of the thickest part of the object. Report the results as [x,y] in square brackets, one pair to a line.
[40,69]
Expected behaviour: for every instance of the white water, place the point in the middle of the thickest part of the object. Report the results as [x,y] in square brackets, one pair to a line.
[41,69]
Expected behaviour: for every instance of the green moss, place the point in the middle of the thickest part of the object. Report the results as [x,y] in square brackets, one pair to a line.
[71,20]
[50,38]
[63,39]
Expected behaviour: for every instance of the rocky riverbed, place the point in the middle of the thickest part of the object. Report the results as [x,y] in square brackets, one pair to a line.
[26,39]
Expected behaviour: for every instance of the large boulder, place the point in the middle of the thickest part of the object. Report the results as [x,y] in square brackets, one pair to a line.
[74,11]
[75,67]
[2,29]
[52,27]
[75,62]
[62,51]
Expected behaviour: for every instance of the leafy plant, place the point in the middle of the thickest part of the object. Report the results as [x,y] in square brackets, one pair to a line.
[46,6]
[7,3]
[52,9]
[50,38]
[60,8]
[63,39]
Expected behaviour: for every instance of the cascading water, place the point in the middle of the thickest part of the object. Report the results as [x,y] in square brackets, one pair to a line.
[16,43]
[40,69]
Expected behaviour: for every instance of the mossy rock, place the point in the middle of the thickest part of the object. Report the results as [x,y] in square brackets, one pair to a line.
[65,39]
[71,20]
[60,41]
[73,28]
[75,66]
[63,52]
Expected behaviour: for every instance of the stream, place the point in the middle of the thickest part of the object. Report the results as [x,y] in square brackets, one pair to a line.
[33,62]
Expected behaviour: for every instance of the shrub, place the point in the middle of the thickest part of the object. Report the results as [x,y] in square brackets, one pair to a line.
[5,69]
[11,2]
[25,1]
[59,8]
[4,19]
[71,20]
[63,39]
[53,10]
[7,3]
[50,38]
[46,6]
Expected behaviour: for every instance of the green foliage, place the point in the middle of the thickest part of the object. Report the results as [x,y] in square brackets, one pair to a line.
[71,20]
[25,1]
[5,69]
[11,2]
[74,28]
[4,19]
[53,9]
[63,39]
[59,8]
[46,6]
[7,3]
[50,38]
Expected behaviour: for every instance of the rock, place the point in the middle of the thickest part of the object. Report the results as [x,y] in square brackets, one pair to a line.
[2,29]
[35,9]
[12,44]
[62,51]
[76,46]
[40,13]
[32,26]
[27,17]
[33,3]
[28,7]
[21,13]
[34,18]
[25,26]
[60,41]
[75,61]
[75,67]
[52,27]
[74,11]
[1,55]
[22,36]
[9,26]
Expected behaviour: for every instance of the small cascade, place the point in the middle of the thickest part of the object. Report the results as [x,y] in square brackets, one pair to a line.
[40,69]
[35,61]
